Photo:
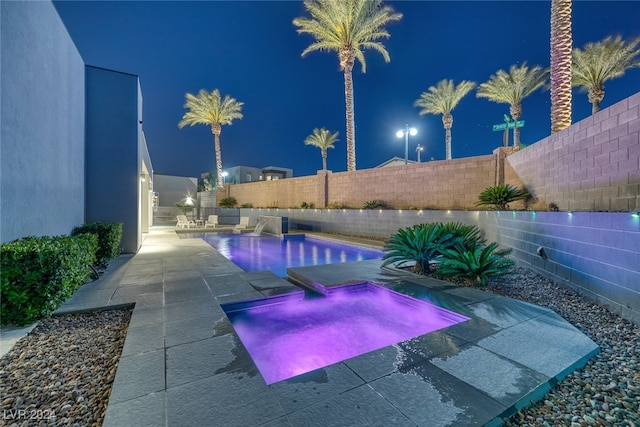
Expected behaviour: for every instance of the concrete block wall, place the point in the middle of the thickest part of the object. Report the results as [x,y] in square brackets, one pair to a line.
[594,165]
[289,192]
[453,184]
[596,253]
[448,184]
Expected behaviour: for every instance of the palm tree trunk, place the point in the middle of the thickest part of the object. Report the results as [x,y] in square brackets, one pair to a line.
[516,113]
[447,121]
[561,46]
[324,161]
[216,145]
[595,95]
[351,128]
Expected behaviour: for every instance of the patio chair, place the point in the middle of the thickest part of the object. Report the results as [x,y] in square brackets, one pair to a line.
[183,222]
[212,221]
[244,223]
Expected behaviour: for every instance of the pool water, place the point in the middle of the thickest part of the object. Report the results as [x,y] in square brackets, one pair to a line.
[276,254]
[292,334]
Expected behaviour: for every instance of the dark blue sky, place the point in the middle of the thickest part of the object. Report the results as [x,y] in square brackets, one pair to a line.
[250,50]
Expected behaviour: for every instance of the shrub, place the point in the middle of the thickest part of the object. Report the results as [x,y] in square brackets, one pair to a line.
[499,196]
[228,202]
[336,205]
[475,265]
[374,204]
[37,274]
[306,205]
[246,205]
[109,237]
[421,243]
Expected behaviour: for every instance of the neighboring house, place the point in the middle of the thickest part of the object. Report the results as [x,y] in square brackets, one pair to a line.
[242,174]
[171,189]
[394,161]
[66,158]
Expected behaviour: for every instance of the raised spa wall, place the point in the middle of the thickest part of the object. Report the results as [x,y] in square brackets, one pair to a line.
[596,253]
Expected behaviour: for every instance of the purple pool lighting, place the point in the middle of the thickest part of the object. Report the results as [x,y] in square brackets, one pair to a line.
[276,254]
[292,334]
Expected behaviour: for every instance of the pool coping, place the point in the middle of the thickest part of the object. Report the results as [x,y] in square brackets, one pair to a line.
[182,363]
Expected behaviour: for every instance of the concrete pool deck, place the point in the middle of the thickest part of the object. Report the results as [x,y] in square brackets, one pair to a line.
[183,365]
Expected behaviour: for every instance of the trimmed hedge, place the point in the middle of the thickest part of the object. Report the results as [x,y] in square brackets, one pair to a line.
[37,274]
[109,238]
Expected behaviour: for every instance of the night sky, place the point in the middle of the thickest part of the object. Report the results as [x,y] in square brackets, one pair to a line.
[250,50]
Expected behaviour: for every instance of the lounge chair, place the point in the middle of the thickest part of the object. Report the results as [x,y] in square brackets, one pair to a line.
[183,222]
[244,224]
[212,221]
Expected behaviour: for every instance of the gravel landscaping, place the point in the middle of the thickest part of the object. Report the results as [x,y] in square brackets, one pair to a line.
[61,373]
[66,365]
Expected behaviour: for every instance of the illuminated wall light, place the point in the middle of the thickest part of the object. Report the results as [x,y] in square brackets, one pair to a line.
[360,210]
[399,210]
[635,215]
[380,211]
[448,211]
[570,213]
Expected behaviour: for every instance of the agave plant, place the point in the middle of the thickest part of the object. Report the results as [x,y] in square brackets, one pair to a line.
[421,243]
[475,265]
[499,196]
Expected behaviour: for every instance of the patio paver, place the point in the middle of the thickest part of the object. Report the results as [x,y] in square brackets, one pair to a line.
[183,364]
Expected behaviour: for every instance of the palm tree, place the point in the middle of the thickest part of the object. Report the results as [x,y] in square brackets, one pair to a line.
[442,99]
[324,140]
[347,27]
[561,44]
[511,88]
[602,61]
[211,109]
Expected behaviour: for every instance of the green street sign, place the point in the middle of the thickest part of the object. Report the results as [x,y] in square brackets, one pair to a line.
[510,125]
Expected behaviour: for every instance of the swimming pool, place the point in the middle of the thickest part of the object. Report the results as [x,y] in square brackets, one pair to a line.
[276,254]
[292,334]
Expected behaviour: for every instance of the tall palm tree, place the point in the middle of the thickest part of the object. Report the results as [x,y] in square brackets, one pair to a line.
[561,45]
[511,88]
[442,99]
[213,110]
[324,140]
[602,61]
[347,27]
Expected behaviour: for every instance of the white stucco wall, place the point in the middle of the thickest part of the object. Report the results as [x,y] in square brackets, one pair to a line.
[42,123]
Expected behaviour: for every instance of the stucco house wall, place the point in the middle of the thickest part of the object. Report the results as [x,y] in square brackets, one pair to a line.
[42,114]
[113,160]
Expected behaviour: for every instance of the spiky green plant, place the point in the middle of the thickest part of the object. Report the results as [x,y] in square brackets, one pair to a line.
[475,265]
[499,196]
[469,234]
[374,204]
[422,243]
[228,202]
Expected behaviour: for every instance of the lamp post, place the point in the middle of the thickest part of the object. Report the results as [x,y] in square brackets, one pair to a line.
[419,149]
[406,132]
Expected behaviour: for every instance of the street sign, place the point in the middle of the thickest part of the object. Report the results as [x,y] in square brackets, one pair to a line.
[510,125]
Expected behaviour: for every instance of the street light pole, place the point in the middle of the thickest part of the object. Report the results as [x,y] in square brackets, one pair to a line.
[406,132]
[419,149]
